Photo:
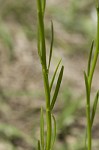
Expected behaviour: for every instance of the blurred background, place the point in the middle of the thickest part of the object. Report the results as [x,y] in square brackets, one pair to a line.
[21,85]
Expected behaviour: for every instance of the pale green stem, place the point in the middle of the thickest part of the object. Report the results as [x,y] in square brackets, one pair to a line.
[96,52]
[90,77]
[88,123]
[48,112]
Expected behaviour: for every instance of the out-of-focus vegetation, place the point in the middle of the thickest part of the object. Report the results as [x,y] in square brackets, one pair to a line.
[21,92]
[21,12]
[77,18]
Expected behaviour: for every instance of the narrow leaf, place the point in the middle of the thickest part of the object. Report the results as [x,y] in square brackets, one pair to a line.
[87,102]
[41,32]
[87,87]
[51,46]
[39,145]
[39,35]
[53,78]
[90,58]
[57,87]
[38,42]
[39,45]
[86,139]
[54,133]
[94,108]
[42,129]
[42,37]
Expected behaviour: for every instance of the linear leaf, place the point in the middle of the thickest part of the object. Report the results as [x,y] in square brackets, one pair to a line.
[87,87]
[53,78]
[39,45]
[90,58]
[94,108]
[42,129]
[39,36]
[54,133]
[39,145]
[41,32]
[51,46]
[86,139]
[57,87]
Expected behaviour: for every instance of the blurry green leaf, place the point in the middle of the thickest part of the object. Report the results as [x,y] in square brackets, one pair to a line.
[94,108]
[87,87]
[39,145]
[29,32]
[41,32]
[97,3]
[57,87]
[54,133]
[9,131]
[7,40]
[51,47]
[86,139]
[90,57]
[68,112]
[39,45]
[42,129]
[53,78]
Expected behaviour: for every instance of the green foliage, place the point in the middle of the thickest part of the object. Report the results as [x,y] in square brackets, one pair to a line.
[94,108]
[50,102]
[10,132]
[42,129]
[57,88]
[6,38]
[88,84]
[45,70]
[54,132]
[70,107]
[20,12]
[74,18]
[68,16]
[54,75]
[51,47]
[39,145]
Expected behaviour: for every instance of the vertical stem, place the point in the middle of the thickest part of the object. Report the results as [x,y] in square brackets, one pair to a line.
[96,52]
[90,77]
[49,129]
[88,121]
[42,52]
[48,111]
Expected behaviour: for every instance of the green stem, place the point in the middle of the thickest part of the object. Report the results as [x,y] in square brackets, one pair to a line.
[42,54]
[48,111]
[45,71]
[96,52]
[49,129]
[90,77]
[88,125]
[88,112]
